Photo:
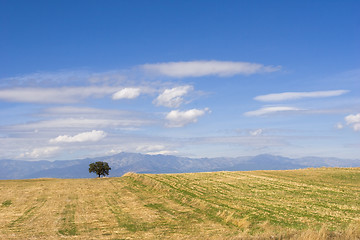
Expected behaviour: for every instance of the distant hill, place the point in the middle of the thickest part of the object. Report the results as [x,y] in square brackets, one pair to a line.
[141,163]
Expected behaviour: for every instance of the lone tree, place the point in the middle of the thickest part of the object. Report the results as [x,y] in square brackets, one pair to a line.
[100,168]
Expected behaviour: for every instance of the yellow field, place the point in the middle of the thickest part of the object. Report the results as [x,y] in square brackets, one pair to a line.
[299,204]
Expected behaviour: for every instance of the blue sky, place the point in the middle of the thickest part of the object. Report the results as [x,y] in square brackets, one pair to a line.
[189,78]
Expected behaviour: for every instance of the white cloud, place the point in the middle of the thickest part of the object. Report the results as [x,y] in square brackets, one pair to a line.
[172,97]
[276,97]
[354,121]
[339,126]
[350,119]
[270,110]
[205,68]
[256,132]
[157,149]
[40,152]
[178,118]
[356,126]
[114,151]
[92,136]
[54,95]
[126,93]
[150,148]
[163,152]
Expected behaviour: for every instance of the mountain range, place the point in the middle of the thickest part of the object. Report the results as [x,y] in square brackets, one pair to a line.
[141,163]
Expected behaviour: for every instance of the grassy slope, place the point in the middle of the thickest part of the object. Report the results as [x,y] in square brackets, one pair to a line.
[222,205]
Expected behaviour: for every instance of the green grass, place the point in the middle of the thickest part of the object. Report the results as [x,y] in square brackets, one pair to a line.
[6,203]
[298,204]
[68,226]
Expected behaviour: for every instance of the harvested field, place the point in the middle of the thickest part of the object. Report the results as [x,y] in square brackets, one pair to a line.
[296,204]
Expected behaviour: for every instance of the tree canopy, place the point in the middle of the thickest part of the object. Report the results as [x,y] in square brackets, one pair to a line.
[100,168]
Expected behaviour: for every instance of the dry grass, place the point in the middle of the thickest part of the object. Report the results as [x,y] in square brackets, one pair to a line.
[299,204]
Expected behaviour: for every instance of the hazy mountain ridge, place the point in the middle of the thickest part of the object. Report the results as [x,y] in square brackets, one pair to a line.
[140,163]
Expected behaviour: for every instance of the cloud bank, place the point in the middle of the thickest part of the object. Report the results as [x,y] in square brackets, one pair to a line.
[92,136]
[40,152]
[276,97]
[206,68]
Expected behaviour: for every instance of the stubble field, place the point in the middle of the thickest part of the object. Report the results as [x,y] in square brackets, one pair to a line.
[298,204]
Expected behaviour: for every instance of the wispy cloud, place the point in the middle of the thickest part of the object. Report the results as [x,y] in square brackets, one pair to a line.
[173,97]
[205,68]
[353,120]
[46,79]
[178,118]
[32,135]
[276,97]
[271,110]
[80,119]
[249,141]
[67,78]
[54,95]
[93,136]
[81,123]
[84,112]
[126,93]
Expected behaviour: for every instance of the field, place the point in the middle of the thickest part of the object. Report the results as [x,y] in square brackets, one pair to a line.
[298,204]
